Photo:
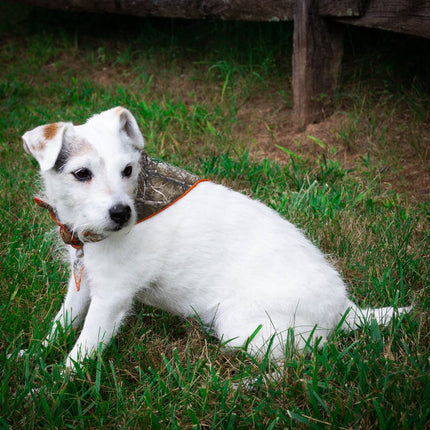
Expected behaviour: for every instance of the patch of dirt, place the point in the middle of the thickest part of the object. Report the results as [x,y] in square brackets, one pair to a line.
[403,166]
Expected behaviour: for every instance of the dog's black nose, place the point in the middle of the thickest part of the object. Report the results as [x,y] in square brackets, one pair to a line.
[120,214]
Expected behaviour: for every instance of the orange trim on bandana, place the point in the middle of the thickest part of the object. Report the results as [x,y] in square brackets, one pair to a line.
[174,201]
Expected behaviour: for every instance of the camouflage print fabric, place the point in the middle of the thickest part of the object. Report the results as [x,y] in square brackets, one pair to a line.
[159,185]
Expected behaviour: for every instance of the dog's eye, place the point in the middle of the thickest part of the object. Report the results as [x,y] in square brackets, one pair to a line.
[83,175]
[126,173]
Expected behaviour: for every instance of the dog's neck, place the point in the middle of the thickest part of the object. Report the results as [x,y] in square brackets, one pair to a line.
[159,186]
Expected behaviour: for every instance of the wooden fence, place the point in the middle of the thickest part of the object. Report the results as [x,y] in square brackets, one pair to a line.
[318,31]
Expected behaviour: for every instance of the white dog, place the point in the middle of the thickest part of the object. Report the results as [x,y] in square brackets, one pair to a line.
[248,274]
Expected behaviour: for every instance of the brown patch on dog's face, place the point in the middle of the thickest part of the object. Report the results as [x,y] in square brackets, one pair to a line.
[50,130]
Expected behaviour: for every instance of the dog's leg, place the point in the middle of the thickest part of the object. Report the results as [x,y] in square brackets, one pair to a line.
[103,320]
[73,309]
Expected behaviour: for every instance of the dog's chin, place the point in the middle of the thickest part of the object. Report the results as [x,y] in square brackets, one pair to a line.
[99,234]
[119,229]
[98,231]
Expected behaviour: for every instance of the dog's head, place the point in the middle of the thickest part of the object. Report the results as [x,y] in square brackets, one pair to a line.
[90,171]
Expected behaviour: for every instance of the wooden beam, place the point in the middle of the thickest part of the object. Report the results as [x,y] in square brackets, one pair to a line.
[403,16]
[341,8]
[247,10]
[317,55]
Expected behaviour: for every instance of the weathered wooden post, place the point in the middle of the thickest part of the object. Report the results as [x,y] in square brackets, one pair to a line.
[317,55]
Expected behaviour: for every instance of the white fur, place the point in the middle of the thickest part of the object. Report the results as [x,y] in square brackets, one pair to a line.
[216,253]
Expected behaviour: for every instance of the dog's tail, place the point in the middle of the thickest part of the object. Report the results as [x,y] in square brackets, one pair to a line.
[355,317]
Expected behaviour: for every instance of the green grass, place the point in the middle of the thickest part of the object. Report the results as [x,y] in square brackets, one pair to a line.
[187,90]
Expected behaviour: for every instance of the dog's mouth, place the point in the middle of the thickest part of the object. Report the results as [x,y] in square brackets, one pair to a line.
[111,228]
[91,236]
[121,227]
[117,228]
[96,234]
[119,217]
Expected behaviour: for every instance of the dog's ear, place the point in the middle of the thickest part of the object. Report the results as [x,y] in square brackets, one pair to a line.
[129,128]
[44,143]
